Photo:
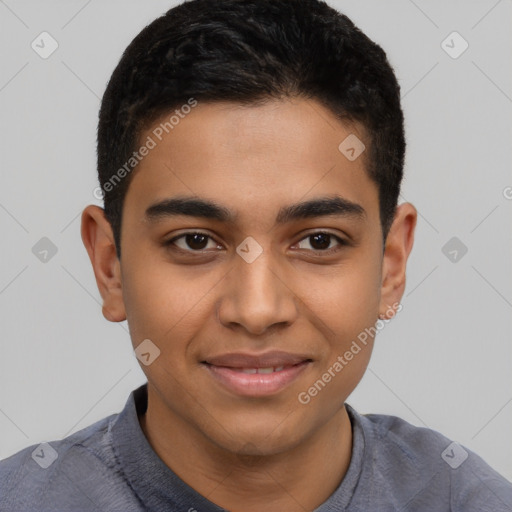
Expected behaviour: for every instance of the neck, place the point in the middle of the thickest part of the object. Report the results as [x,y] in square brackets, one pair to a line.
[295,480]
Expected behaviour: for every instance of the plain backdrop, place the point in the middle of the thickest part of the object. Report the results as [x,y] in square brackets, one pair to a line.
[444,362]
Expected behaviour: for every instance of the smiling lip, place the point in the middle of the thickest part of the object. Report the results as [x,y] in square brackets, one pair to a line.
[256,375]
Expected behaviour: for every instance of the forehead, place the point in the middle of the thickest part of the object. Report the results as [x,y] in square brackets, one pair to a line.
[252,159]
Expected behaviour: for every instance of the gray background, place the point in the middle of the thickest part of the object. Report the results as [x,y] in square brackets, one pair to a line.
[444,362]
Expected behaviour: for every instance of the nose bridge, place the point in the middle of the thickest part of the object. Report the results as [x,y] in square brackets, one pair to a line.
[255,296]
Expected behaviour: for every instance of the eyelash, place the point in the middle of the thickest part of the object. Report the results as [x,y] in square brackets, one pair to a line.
[329,251]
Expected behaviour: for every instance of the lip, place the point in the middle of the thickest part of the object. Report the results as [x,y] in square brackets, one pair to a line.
[228,370]
[243,360]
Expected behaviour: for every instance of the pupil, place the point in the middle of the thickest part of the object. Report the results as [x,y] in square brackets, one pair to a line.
[321,240]
[196,241]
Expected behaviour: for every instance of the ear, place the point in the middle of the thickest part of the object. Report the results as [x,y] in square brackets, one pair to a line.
[398,247]
[98,239]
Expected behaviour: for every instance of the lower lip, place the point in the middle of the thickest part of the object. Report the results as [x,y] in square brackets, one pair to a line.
[256,384]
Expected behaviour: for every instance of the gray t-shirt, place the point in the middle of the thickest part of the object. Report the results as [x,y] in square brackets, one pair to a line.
[110,466]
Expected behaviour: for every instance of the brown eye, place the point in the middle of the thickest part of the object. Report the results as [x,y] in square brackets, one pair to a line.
[193,242]
[196,241]
[320,241]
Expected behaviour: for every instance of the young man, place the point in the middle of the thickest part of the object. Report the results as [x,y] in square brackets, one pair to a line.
[250,153]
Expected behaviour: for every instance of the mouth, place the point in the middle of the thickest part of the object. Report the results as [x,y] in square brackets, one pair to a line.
[256,375]
[251,371]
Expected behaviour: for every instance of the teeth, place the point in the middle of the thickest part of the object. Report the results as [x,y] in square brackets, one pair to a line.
[270,369]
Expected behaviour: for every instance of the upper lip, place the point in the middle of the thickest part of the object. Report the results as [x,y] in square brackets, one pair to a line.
[265,360]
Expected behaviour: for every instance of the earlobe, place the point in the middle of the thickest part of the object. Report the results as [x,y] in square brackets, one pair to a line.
[98,240]
[399,244]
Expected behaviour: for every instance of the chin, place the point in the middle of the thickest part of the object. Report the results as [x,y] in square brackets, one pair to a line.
[261,438]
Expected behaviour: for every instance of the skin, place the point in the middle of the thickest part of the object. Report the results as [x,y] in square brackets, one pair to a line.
[247,453]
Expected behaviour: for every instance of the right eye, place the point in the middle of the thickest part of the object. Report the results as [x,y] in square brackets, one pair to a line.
[193,242]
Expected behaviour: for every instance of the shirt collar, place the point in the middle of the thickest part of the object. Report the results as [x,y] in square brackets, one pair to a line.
[158,488]
[156,485]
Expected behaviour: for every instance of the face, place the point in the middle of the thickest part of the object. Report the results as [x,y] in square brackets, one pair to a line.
[251,257]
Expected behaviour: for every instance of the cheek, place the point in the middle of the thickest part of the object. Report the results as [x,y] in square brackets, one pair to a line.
[149,305]
[348,309]
[165,304]
[347,299]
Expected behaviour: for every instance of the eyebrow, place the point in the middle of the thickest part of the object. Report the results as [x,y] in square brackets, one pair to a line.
[202,208]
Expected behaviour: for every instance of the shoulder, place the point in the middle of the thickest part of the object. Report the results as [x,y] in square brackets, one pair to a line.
[420,465]
[57,472]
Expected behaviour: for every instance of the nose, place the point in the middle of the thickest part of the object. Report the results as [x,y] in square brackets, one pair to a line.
[257,297]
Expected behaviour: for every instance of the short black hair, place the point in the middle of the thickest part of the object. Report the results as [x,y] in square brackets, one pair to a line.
[251,51]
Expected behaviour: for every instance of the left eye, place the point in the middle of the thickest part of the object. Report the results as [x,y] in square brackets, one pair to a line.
[320,241]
